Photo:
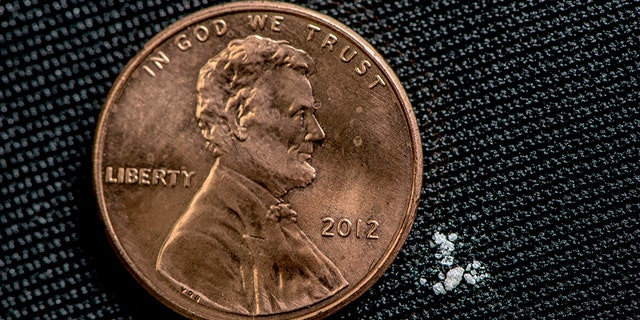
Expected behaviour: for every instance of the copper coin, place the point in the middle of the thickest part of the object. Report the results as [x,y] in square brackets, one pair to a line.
[257,159]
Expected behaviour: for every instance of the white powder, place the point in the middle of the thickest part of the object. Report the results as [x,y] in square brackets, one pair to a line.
[453,278]
[438,288]
[472,274]
[470,279]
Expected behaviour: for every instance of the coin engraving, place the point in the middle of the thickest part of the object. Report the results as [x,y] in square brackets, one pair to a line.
[344,227]
[257,22]
[255,111]
[148,176]
[201,33]
[159,61]
[257,160]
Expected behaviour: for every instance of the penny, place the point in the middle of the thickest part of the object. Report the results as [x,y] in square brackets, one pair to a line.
[257,159]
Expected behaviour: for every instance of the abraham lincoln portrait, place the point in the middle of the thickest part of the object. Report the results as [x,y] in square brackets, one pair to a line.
[238,245]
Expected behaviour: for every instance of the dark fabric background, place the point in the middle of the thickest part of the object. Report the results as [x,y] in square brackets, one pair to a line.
[529,114]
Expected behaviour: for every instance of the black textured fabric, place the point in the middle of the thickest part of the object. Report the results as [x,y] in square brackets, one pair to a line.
[530,120]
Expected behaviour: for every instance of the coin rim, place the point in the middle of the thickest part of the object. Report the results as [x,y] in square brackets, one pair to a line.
[400,236]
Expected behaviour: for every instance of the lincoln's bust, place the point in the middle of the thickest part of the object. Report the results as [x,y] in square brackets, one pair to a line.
[238,245]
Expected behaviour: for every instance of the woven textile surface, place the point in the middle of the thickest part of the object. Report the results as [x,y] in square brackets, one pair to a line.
[530,119]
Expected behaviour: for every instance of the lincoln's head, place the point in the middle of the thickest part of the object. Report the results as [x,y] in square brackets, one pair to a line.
[256,112]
